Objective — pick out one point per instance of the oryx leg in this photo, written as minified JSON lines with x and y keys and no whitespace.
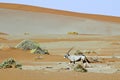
{"x":70,"y":62}
{"x":86,"y":64}
{"x":73,"y":62}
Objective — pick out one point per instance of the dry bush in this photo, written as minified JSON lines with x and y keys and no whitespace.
{"x":10,"y":63}
{"x":78,"y":52}
{"x":79,"y":68}
{"x":115,"y":43}
{"x":95,"y":60}
{"x":90,"y":51}
{"x":72,"y":33}
{"x":33,"y":46}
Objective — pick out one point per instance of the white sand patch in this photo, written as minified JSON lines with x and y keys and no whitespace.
{"x":63,"y":66}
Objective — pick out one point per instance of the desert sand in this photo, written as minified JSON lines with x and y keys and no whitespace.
{"x":21,"y":19}
{"x":97,"y":33}
{"x":54,"y":66}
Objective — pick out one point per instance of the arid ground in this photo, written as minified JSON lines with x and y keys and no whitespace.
{"x":98,"y":34}
{"x":54,"y":66}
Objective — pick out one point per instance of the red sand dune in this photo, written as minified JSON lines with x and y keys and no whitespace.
{"x":59,"y":12}
{"x":25,"y":57}
{"x":24,"y":18}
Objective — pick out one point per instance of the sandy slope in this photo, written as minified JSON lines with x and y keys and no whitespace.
{"x":17,"y":19}
{"x":20,"y":19}
{"x":59,"y":12}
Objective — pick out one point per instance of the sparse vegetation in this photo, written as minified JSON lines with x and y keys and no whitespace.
{"x":96,"y":59}
{"x":89,"y":52}
{"x":79,"y":68}
{"x":26,"y":33}
{"x":78,"y":52}
{"x":39,"y":50}
{"x":27,"y":45}
{"x":115,"y":43}
{"x":10,"y":63}
{"x":73,"y":33}
{"x":33,"y":46}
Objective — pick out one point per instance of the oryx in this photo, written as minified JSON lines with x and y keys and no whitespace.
{"x":76,"y":58}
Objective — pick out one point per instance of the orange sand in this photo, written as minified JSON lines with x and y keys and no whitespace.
{"x":67,"y":13}
{"x":56,"y":54}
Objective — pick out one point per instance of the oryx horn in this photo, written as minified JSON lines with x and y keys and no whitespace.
{"x":69,"y":50}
